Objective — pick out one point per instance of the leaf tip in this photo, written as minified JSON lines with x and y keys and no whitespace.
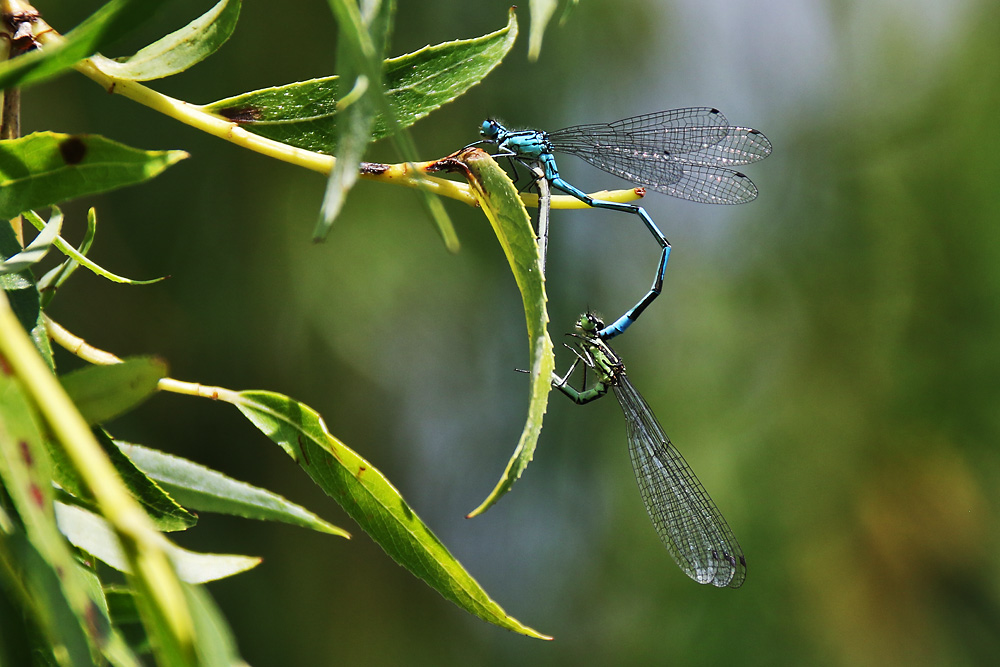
{"x":173,"y":157}
{"x":485,"y":505}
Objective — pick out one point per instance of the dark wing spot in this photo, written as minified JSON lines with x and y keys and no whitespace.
{"x":73,"y":150}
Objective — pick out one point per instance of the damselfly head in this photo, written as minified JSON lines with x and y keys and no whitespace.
{"x":589,"y":323}
{"x":490,"y":130}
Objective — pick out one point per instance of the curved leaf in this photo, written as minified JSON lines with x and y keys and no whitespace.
{"x":37,"y":249}
{"x":179,"y":50}
{"x":371,"y":500}
{"x":52,"y":280}
{"x":541,"y":13}
{"x":502,"y":205}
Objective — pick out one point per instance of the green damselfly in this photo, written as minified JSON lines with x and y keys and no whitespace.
{"x":687,"y":521}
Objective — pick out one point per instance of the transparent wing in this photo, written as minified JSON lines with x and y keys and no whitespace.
{"x":676,"y":131}
{"x":686,"y":180}
{"x":687,"y":521}
{"x":686,"y":153}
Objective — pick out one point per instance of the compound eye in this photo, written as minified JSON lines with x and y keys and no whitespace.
{"x":591,"y":322}
{"x":488,"y":129}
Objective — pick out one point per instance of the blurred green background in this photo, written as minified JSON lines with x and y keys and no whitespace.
{"x":827,"y":357}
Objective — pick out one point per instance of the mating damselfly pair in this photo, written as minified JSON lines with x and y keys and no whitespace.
{"x":690,"y":154}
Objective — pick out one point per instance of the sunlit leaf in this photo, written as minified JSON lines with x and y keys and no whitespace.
{"x":104,"y":392}
{"x":179,"y":50}
{"x":303,"y":114}
{"x":45,"y":168}
{"x":164,"y":509}
{"x":371,"y":500}
{"x":207,"y":490}
{"x":541,"y":14}
{"x":91,"y":533}
{"x":38,"y":248}
{"x":214,"y":642}
{"x":165,"y":513}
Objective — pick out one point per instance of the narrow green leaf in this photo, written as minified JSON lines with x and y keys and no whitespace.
{"x":116,"y":651}
{"x":164,"y":511}
{"x":162,"y":508}
{"x":109,"y":23}
{"x":38,"y":248}
{"x":424,"y":80}
{"x":22,"y":293}
{"x":27,"y":472}
{"x":121,"y":605}
{"x":352,"y":26}
{"x":179,"y":50}
{"x":207,"y":490}
{"x":50,"y":283}
{"x":52,"y":280}
{"x":502,"y":205}
{"x":303,"y":114}
{"x":41,"y":599}
{"x":104,"y":392}
{"x":91,"y":533}
{"x":568,"y":10}
{"x":353,"y":132}
{"x":214,"y":642}
{"x":164,"y":612}
{"x":541,"y":14}
{"x":371,"y":500}
{"x":45,"y":168}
